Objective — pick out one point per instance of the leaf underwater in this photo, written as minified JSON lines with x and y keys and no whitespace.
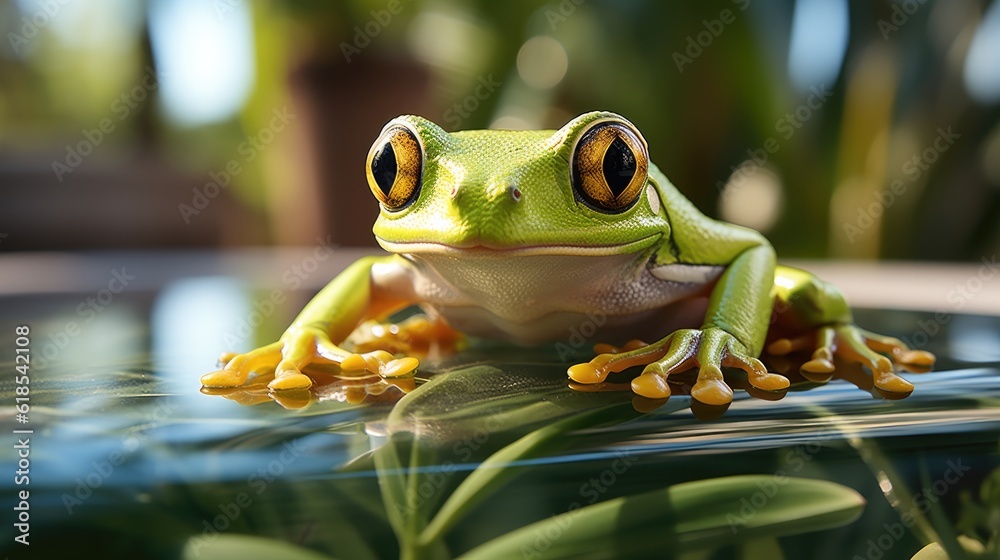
{"x":513,"y":399}
{"x":932,"y":551}
{"x":524,"y":409}
{"x":246,"y":547}
{"x":679,"y":519}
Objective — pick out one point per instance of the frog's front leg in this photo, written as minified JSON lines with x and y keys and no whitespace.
{"x":812,"y":315}
{"x":326,"y":321}
{"x":732,"y":335}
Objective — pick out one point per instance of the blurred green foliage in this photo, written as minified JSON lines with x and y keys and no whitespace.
{"x":839,"y":167}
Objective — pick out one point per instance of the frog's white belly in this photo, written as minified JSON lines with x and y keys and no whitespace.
{"x":536,"y":298}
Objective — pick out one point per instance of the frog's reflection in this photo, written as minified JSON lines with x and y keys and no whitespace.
{"x":329,"y":385}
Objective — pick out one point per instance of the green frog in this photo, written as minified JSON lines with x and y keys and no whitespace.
{"x":526,"y":235}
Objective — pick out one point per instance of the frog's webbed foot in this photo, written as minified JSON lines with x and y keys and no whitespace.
{"x":709,"y":350}
{"x":418,"y":335}
{"x":238,"y":367}
{"x":298,"y":348}
{"x":857,"y":346}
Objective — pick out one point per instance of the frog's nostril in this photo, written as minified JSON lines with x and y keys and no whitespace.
{"x":514,"y":192}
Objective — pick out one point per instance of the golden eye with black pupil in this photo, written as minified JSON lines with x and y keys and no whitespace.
{"x":610,"y":166}
{"x":394,"y":166}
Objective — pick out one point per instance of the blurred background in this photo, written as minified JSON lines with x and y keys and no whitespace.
{"x":840,"y":128}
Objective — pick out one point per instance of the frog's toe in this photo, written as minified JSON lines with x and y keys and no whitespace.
{"x":757,"y":374}
{"x":384,"y":364}
{"x":897,"y":350}
{"x":238,"y":367}
{"x":714,"y":392}
{"x":820,"y":364}
{"x":921,"y":358}
{"x":691,"y":348}
{"x":858,"y":346}
{"x":379,"y":362}
{"x":417,"y":335}
{"x":587,"y":373}
{"x":852,"y":345}
{"x":709,"y":350}
{"x":769,"y":382}
{"x":651,"y":386}
{"x":223,"y":379}
{"x":711,"y":388}
{"x":354,"y":362}
{"x":893,"y":383}
{"x":399,"y":367}
{"x":635,"y":353}
{"x":287,"y":377}
{"x":783,"y":346}
{"x":290,"y":382}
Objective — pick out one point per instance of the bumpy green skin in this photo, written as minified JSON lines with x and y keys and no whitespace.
{"x":507,"y":199}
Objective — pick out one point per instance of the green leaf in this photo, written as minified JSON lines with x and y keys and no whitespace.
{"x":496,"y":470}
{"x":245,"y":547}
{"x":392,"y":480}
{"x":762,"y":549}
{"x":932,"y":551}
{"x":464,"y":415}
{"x":682,"y":518}
{"x":508,"y":400}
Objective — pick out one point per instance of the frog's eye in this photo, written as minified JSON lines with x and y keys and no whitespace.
{"x":394,"y":165}
{"x":609,"y":166}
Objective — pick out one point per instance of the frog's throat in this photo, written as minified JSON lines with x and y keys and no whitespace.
{"x":484,"y":249}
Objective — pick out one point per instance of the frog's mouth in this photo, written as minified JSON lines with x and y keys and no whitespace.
{"x":486,"y":249}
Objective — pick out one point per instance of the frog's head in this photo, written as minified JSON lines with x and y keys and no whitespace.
{"x":582,"y":189}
